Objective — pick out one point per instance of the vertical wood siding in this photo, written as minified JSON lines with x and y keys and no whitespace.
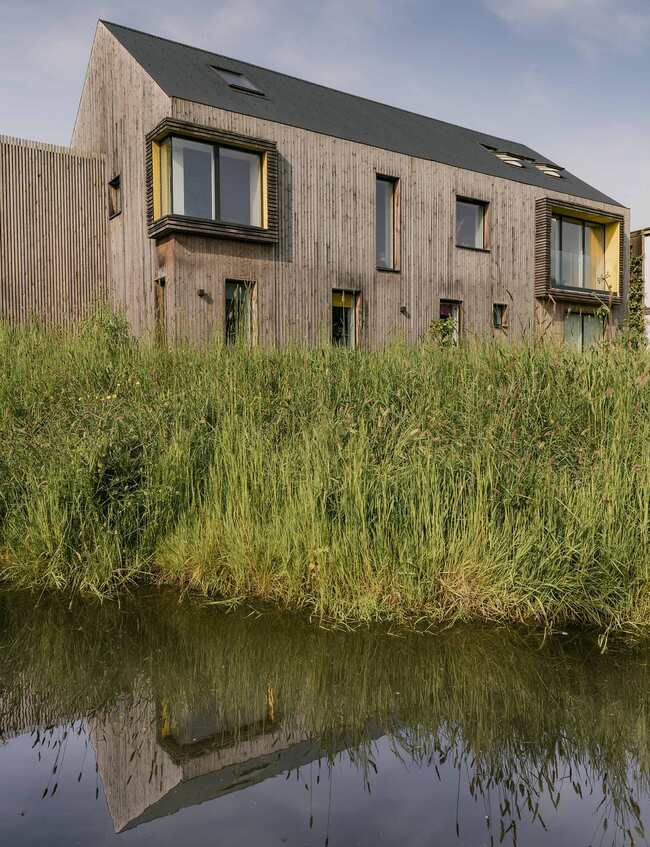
{"x":52,"y":232}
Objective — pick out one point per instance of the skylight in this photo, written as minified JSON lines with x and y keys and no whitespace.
{"x":237,"y":81}
{"x":510,"y":159}
{"x":549,"y":170}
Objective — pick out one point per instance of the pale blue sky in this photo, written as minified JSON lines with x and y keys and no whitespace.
{"x":568,"y":77}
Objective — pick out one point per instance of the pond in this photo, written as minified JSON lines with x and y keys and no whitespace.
{"x":160,"y":722}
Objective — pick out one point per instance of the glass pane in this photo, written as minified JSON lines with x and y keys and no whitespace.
{"x":193,"y":178}
{"x":240,"y":197}
{"x":572,"y":255}
{"x":555,"y":251}
{"x":469,"y":224}
{"x":343,"y":321}
{"x":573,"y":331}
{"x":592,"y":330}
{"x":450,"y":312}
{"x":238,"y":312}
{"x":595,"y":256}
{"x":385,"y":223}
{"x":238,"y":80}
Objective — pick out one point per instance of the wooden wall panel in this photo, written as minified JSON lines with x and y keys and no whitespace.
{"x":52,"y":232}
{"x":120,"y":104}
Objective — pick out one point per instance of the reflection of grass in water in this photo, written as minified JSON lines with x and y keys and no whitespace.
{"x":507,"y":483}
{"x":521,"y":719}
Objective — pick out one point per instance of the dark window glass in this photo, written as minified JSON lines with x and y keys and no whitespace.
{"x":240,"y":200}
{"x":500,"y":315}
{"x":385,"y":237}
{"x":583,"y":331}
{"x":470,"y":224}
{"x":238,"y":312}
{"x":577,"y":254}
{"x":343,"y":319}
{"x":193,"y":178}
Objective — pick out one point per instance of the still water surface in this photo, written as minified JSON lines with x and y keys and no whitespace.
{"x":159,"y":723}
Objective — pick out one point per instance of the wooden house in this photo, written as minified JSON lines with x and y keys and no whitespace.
{"x":245,"y":203}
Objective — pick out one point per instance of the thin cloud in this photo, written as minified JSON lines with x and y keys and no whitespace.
{"x":590,"y":25}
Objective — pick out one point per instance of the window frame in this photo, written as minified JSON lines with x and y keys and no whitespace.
{"x":114,"y":197}
{"x":581,"y":314}
{"x":457,"y":324}
{"x":503,"y":310}
{"x":395,"y":182}
{"x":485,"y":205}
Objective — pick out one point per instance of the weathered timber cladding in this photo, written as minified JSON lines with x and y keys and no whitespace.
{"x":52,"y":233}
{"x":327,"y":241}
{"x":119,"y":104}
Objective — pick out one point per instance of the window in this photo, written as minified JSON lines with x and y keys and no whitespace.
{"x":239,"y":311}
{"x":344,"y":318}
{"x":238,"y":81}
{"x":114,"y":197}
{"x":470,"y":224}
{"x":208,"y":181}
{"x":549,"y":170}
{"x":500,"y":316}
{"x":582,"y":331}
{"x":510,"y":159}
{"x":577,"y":254}
{"x":385,"y":223}
{"x":240,"y":200}
{"x":450,"y":316}
{"x":159,"y":311}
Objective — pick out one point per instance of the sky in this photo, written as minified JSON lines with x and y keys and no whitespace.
{"x":569,"y":78}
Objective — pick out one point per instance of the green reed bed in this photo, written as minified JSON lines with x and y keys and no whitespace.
{"x":427,"y":484}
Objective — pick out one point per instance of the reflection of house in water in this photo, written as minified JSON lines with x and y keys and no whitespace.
{"x":154,"y":761}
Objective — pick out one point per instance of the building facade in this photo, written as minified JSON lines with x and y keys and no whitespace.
{"x":243,"y":203}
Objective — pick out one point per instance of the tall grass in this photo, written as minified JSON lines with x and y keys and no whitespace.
{"x":508,"y":483}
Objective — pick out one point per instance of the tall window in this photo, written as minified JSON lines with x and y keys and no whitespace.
{"x":239,"y":311}
{"x":385,"y":223}
{"x":210,"y":181}
{"x":577,"y":254}
{"x":344,"y":319}
{"x":470,"y":224}
{"x":583,"y":331}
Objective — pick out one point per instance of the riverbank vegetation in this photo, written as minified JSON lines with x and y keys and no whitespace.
{"x":412,"y":485}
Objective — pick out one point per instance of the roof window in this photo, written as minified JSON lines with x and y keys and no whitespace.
{"x":237,"y":81}
{"x":549,"y":170}
{"x":510,"y":159}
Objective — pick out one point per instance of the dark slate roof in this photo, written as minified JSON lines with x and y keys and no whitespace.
{"x":187,"y":73}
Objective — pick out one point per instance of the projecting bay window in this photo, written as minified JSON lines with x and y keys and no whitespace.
{"x":212,"y":182}
{"x":386,"y":230}
{"x":578,"y":254}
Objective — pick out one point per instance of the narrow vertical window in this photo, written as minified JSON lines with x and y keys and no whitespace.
{"x":239,"y":312}
{"x":193,"y":178}
{"x":114,"y":197}
{"x":450,"y":318}
{"x":556,"y":254}
{"x":344,"y":319}
{"x":500,"y":316}
{"x":240,"y":194}
{"x":385,"y":223}
{"x":470,"y":224}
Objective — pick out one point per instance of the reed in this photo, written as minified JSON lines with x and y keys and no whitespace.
{"x":409,"y":485}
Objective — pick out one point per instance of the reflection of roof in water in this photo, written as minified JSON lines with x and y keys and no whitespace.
{"x":231,"y":778}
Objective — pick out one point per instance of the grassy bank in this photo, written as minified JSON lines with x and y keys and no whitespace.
{"x":491,"y":482}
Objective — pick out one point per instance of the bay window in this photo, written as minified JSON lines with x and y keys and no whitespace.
{"x":577,"y":254}
{"x":207,"y":181}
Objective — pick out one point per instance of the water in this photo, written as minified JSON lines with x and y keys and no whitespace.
{"x":159,"y":723}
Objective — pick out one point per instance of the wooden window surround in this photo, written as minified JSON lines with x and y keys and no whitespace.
{"x":160,"y":219}
{"x":545,"y":208}
{"x":395,"y":223}
{"x":114,"y":197}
